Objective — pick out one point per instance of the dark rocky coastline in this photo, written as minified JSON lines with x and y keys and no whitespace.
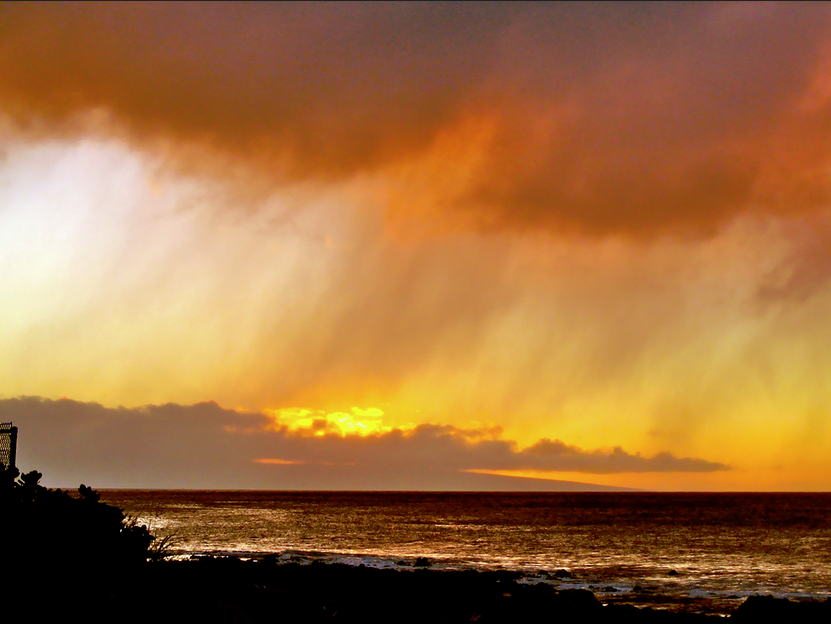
{"x":230,"y":590}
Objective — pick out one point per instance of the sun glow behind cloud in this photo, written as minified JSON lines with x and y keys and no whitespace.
{"x":360,"y":422}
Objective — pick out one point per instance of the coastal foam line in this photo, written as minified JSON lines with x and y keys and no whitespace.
{"x":648,"y":591}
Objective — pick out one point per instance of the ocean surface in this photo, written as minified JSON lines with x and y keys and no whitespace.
{"x":684,"y":552}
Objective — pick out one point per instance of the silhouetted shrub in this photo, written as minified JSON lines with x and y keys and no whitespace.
{"x":52,"y":529}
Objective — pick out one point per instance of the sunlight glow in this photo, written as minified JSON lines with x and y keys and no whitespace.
{"x":362,"y":422}
{"x":279,"y":462}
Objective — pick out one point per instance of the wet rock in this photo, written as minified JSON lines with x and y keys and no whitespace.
{"x":576,"y":601}
{"x":422,"y":562}
{"x":637,"y":588}
{"x":673,"y":573}
{"x":540,"y":591}
{"x":610,"y":589}
{"x":563,"y":574}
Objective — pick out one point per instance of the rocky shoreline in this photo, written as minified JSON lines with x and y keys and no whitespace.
{"x":230,"y":590}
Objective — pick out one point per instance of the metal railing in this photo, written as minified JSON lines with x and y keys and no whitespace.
{"x":8,"y":445}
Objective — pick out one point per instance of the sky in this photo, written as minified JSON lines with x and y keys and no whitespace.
{"x":417,"y":245}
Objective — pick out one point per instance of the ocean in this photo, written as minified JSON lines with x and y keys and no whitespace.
{"x":687,"y":552}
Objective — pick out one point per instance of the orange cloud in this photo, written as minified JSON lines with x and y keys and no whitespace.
{"x":630,"y":119}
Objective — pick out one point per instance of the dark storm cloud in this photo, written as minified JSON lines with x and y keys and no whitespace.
{"x":620,"y":117}
{"x":206,"y":446}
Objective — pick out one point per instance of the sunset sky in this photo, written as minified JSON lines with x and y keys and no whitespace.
{"x":402,"y":245}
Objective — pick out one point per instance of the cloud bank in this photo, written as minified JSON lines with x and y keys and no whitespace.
{"x":635,"y":119}
{"x":206,"y":446}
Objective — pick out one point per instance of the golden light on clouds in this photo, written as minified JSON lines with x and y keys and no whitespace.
{"x":360,"y":422}
{"x":279,"y":462}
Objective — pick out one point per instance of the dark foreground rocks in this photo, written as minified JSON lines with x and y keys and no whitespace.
{"x":229,"y":590}
{"x":782,"y":611}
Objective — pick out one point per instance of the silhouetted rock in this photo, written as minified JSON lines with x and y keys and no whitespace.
{"x":576,"y":600}
{"x":422,"y":562}
{"x":770,"y":609}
